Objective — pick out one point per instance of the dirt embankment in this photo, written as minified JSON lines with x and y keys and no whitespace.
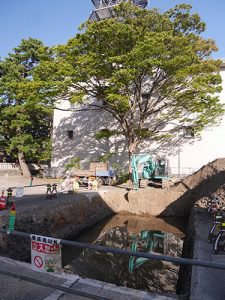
{"x":177,"y":200}
{"x":203,"y":184}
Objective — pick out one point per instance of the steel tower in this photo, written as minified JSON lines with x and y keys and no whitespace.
{"x":104,"y":8}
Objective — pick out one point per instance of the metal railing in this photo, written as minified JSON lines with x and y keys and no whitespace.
{"x":74,"y":291}
{"x":8,"y":166}
{"x":175,"y":260}
{"x":183,"y":171}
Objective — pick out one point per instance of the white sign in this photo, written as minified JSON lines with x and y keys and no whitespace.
{"x":45,"y":254}
{"x":19,"y":192}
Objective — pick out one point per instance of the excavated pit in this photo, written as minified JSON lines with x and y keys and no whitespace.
{"x":75,"y":213}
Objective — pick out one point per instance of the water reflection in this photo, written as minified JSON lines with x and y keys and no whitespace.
{"x":150,"y":241}
{"x":131,"y":233}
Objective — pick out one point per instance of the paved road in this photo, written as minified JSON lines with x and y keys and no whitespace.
{"x":16,"y":289}
{"x":21,"y":181}
{"x":34,"y":196}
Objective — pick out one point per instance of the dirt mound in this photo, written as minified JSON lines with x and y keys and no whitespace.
{"x":206,"y":182}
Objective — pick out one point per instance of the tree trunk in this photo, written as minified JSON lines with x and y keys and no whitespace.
{"x":131,"y":150}
{"x":23,"y":165}
{"x":130,"y":167}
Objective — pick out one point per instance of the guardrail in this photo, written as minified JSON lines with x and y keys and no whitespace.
{"x":183,"y":172}
{"x":8,"y":166}
{"x":175,"y":260}
{"x":31,"y":186}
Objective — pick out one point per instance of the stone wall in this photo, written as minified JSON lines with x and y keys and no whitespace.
{"x":60,"y":218}
{"x":12,"y":172}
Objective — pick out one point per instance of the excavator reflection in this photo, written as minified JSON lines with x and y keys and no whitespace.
{"x":152,"y":241}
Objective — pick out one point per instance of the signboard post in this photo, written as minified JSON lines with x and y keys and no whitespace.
{"x":45,"y":254}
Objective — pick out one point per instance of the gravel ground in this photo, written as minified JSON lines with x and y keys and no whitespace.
{"x":21,"y":181}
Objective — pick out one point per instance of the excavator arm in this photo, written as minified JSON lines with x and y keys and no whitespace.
{"x":142,"y":167}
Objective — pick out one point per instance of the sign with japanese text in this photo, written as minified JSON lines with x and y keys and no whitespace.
{"x":45,"y":254}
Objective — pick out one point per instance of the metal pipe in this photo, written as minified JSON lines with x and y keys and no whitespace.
{"x":28,"y":186}
{"x":175,"y":260}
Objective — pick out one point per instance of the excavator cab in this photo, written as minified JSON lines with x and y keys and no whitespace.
{"x":162,"y":169}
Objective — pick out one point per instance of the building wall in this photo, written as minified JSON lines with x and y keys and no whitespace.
{"x":85,"y":124}
{"x":211,"y":146}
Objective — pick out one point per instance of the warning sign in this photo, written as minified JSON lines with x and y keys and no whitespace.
{"x":45,"y":254}
{"x":38,"y":261}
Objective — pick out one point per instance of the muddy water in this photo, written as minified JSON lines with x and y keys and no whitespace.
{"x":163,"y":236}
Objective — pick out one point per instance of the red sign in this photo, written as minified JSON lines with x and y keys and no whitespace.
{"x":46,"y":248}
{"x":45,"y":254}
{"x":38,"y":261}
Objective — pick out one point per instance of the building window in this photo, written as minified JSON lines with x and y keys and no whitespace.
{"x":70,"y":134}
{"x":145,"y":97}
{"x":189,"y":132}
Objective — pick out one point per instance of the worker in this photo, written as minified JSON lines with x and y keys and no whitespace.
{"x":90,"y":183}
{"x":76,"y":185}
{"x":95,"y":184}
{"x":84,"y":181}
{"x":66,"y":184}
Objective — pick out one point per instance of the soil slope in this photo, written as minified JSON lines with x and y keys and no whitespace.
{"x":203,"y":184}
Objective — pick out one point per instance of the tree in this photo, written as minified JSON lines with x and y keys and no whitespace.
{"x":25,"y":124}
{"x":152,"y":71}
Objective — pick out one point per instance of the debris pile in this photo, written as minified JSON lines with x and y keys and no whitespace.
{"x":207,"y":182}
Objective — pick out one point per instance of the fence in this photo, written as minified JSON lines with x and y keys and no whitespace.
{"x":175,"y":260}
{"x":183,"y":172}
{"x":8,"y":166}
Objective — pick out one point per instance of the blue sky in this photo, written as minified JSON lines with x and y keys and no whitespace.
{"x":55,"y":21}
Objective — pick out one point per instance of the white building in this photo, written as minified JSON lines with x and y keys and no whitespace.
{"x":74,"y":136}
{"x":211,"y":145}
{"x":74,"y":132}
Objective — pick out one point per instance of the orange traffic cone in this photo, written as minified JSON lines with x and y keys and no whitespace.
{"x":2,"y":201}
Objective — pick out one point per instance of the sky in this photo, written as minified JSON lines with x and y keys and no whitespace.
{"x":55,"y":21}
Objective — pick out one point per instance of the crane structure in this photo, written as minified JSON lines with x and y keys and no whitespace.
{"x":104,"y":8}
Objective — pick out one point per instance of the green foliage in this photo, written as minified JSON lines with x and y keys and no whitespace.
{"x":121,"y":175}
{"x":25,"y":124}
{"x":105,"y":157}
{"x":153,"y":71}
{"x":74,"y":163}
{"x":105,"y":133}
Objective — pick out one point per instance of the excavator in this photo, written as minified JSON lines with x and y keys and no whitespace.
{"x":146,"y":168}
{"x":150,"y":241}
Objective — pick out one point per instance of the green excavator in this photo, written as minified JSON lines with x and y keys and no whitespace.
{"x":146,"y":168}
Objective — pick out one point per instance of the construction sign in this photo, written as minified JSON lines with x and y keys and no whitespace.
{"x":45,"y":254}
